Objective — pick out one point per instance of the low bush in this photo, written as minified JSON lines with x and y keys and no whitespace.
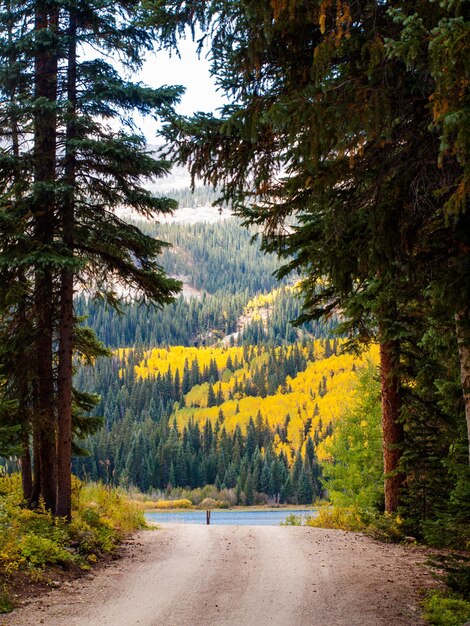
{"x":31,"y":541}
{"x":446,"y":610}
{"x":5,"y":603}
{"x":173,"y":504}
{"x":40,"y":551}
{"x":208,"y":503}
{"x":293,"y":520}
{"x":383,"y":526}
{"x":337,"y":517}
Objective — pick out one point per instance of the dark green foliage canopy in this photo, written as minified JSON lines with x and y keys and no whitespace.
{"x":345,"y":142}
{"x":70,"y":158}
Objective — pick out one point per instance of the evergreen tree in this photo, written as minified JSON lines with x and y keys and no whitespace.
{"x":296,"y":471}
{"x":310,"y":451}
{"x":287,"y":490}
{"x":76,"y":171}
{"x":265,"y":479}
{"x":230,"y":478}
{"x":249,"y":490}
{"x":211,"y":398}
{"x":305,"y":490}
{"x":363,"y":204}
{"x":251,"y":439}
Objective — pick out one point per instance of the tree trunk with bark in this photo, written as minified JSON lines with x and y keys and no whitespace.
{"x":392,"y":428}
{"x":26,"y":471}
{"x":22,"y":380}
{"x":462,"y":327}
{"x":64,"y":439}
{"x":45,"y":123}
{"x":36,"y":486}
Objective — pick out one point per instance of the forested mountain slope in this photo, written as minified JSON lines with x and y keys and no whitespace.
{"x":257,"y":419}
{"x":219,"y":260}
{"x":218,"y":388}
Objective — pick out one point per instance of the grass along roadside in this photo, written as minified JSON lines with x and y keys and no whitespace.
{"x":35,"y":547}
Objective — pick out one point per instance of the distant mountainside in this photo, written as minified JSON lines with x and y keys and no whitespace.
{"x":207,"y":390}
{"x":178,"y":178}
{"x":254,"y":421}
{"x":194,"y":205}
{"x":187,"y":213}
{"x":224,"y":271}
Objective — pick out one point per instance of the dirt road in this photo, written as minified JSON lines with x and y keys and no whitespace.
{"x":191,"y":575}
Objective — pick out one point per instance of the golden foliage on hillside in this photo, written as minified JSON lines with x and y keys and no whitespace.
{"x":300,"y":400}
{"x":159,"y":360}
{"x":307,"y":403}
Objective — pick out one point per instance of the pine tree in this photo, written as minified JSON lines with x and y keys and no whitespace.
{"x":171,"y":477}
{"x":305,"y":490}
{"x":370,"y":193}
{"x":265,"y":479}
{"x":230,"y":478}
{"x":251,"y":439}
{"x":310,"y":451}
{"x":287,"y":490}
{"x":296,"y":471}
{"x":76,"y":171}
{"x":249,"y":490}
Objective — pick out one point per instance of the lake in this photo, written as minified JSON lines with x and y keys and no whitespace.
{"x":232,"y":518}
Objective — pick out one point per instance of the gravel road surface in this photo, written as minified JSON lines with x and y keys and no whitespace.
{"x":191,"y":575}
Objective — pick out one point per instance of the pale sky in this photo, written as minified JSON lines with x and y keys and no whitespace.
{"x":189,"y":71}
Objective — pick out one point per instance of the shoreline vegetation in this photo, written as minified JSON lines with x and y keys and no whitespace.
{"x":240,"y":508}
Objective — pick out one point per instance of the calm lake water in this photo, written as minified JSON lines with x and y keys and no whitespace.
{"x":233,"y":518}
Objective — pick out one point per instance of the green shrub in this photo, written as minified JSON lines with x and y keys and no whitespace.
{"x":41,"y":551}
{"x":386,"y":527}
{"x":111,"y":506}
{"x":208,"y":503}
{"x":5,"y":603}
{"x":441,"y":610}
{"x":292,"y":520}
{"x":454,"y":572}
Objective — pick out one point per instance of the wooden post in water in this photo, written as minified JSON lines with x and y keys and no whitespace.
{"x":208,"y":517}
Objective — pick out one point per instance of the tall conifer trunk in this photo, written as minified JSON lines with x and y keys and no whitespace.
{"x":26,"y":471}
{"x":21,"y":381}
{"x":36,"y":475}
{"x":64,"y":439}
{"x":462,"y":326}
{"x":392,"y":428}
{"x":24,"y":399}
{"x":45,"y":128}
{"x":23,"y":391}
{"x":24,"y":414}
